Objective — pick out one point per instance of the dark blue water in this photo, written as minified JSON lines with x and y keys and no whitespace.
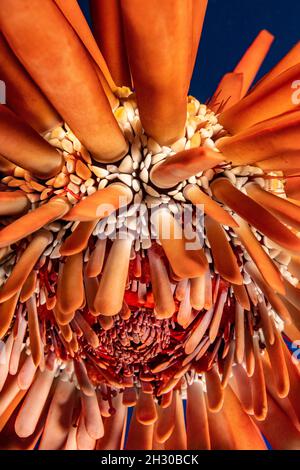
{"x":230,"y":27}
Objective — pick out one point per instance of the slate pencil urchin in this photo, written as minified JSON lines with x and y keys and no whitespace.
{"x":110,"y":296}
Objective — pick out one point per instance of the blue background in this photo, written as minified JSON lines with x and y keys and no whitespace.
{"x":230,"y":27}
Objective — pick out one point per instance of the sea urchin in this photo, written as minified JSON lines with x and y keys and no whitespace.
{"x":149,"y":243}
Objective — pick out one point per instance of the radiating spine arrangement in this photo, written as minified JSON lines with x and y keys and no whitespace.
{"x":149,"y":244}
